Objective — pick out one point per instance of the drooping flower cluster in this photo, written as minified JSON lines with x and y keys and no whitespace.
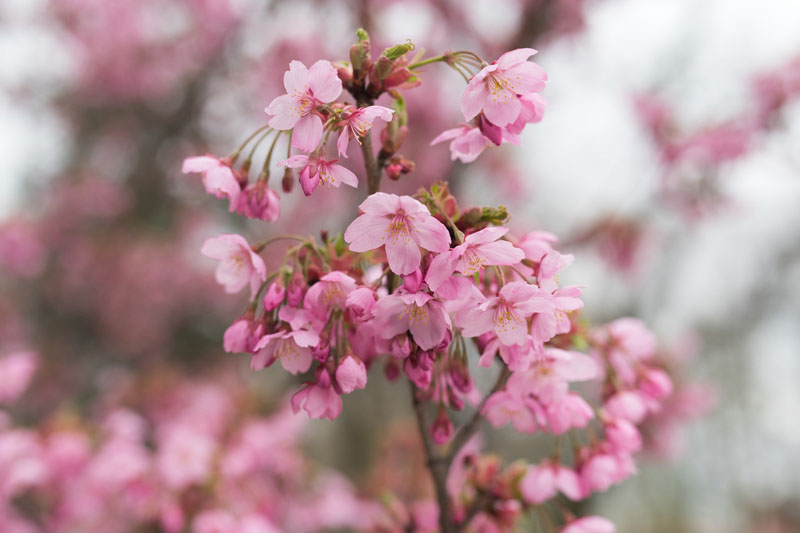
{"x":499,"y":101}
{"x":416,"y":284}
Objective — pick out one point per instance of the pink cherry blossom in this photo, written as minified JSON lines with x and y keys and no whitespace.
{"x":504,"y":407}
{"x":401,"y":224}
{"x":329,"y":292}
{"x":218,"y":177}
{"x":319,"y":401}
{"x":260,"y":202}
{"x":242,"y":336}
{"x":495,"y":88}
{"x":541,"y":482}
{"x":533,"y":106}
{"x":239,"y":264}
{"x":506,"y":313}
{"x":589,"y":524}
{"x":569,"y":412}
{"x":306,"y":88}
{"x":479,"y":249}
{"x":418,"y":313}
{"x":185,"y":456}
{"x":292,"y":348}
{"x":351,"y":374}
{"x":466,"y":142}
{"x":358,"y":122}
{"x":274,"y":295}
{"x":317,"y":170}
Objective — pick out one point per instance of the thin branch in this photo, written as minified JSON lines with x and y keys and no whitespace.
{"x":437,"y":465}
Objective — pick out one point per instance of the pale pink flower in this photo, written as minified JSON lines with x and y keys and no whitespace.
{"x":656,"y":383}
{"x":292,"y":348}
{"x":537,"y":244}
{"x":260,"y":202}
{"x":589,"y":524}
{"x":329,"y":292}
{"x":503,"y":407}
{"x":184,"y":457}
{"x":628,"y":405}
{"x":569,"y":412}
{"x":418,"y":313}
{"x":546,"y":325}
{"x":359,"y":303}
{"x":622,"y":435}
{"x":542,"y":482}
{"x":479,"y":249}
{"x":306,"y":88}
{"x":506,"y":313}
{"x":401,"y":224}
{"x":317,"y":170}
{"x":602,"y":470}
{"x":218,"y":177}
{"x":533,"y":106}
{"x":495,"y":88}
{"x":319,"y":400}
{"x":466,"y":142}
{"x":16,"y":371}
{"x":358,"y":122}
{"x":239,"y":264}
{"x":242,"y":336}
{"x":351,"y":374}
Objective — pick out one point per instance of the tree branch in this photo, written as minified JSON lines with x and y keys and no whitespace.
{"x":437,"y":465}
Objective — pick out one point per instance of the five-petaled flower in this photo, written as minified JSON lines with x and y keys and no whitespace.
{"x":306,"y":88}
{"x":402,"y":225}
{"x":239,"y":264}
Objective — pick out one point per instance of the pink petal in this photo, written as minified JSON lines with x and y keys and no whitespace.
{"x":366,"y":232}
{"x":403,"y":254}
{"x":381,"y":204}
{"x":343,"y":175}
{"x":475,"y":97}
{"x":431,"y":332}
{"x":199,"y":163}
{"x":430,"y":234}
{"x":294,"y":359}
{"x":296,"y":78}
{"x":324,"y":81}
{"x":343,"y":141}
{"x":446,"y":135}
{"x":514,"y":57}
{"x":490,"y":234}
{"x":307,"y":133}
{"x":504,"y":110}
{"x":283,"y":116}
{"x":442,"y":267}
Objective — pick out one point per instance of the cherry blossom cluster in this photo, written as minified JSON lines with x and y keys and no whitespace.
{"x":188,"y":464}
{"x":499,"y":100}
{"x":418,"y":285}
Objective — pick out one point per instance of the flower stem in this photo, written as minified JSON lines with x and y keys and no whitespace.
{"x":428,"y":61}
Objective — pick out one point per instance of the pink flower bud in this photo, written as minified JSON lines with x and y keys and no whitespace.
{"x":297,"y":290}
{"x":656,"y":384}
{"x":628,"y":405}
{"x":258,"y":201}
{"x":623,"y":435}
{"x":351,"y":374}
{"x":420,"y":376}
{"x":274,"y":295}
{"x":442,"y":428}
{"x":237,"y":336}
{"x":359,"y":303}
{"x":413,"y":281}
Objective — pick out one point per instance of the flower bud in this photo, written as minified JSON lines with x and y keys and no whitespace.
{"x":274,"y":295}
{"x":296,"y":290}
{"x":351,"y":374}
{"x":442,"y":428}
{"x":413,"y":281}
{"x":287,"y":183}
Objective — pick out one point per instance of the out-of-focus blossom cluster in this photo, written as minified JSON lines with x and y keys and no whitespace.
{"x":692,"y":159}
{"x":142,"y":50}
{"x":192,"y":459}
